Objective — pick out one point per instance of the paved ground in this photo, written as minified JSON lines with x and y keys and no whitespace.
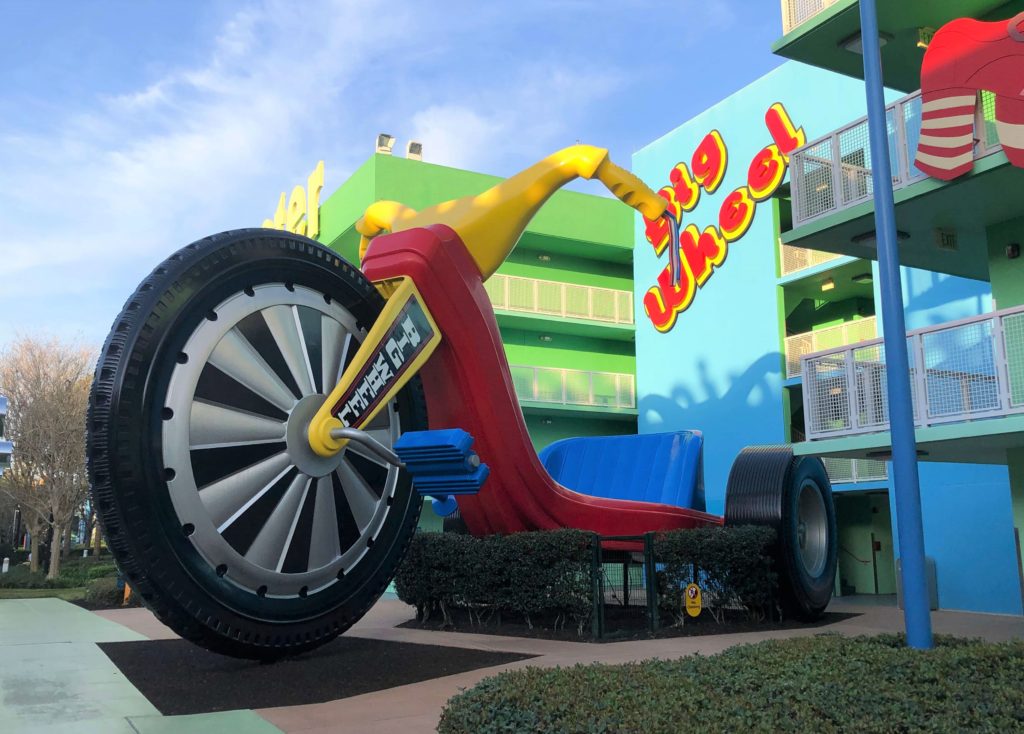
{"x":53,"y":677}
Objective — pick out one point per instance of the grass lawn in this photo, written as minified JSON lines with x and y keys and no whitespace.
{"x":75,"y":593}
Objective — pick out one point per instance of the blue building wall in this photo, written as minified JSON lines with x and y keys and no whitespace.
{"x":966,"y":508}
{"x":720,"y":368}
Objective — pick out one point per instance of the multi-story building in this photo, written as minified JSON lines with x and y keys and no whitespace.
{"x":563,"y":300}
{"x":750,"y":358}
{"x":6,"y":447}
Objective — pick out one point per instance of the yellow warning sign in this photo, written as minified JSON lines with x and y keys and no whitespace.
{"x":693,"y":602}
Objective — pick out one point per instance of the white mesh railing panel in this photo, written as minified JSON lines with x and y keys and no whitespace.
{"x":840,"y":471}
{"x":987,"y":115}
{"x":624,"y":307}
{"x":522,"y":295}
{"x":855,"y":167}
{"x":912,"y":132}
{"x":524,"y":381}
{"x":795,"y":259}
{"x":827,"y":403}
{"x":605,"y":389}
{"x":872,"y":404}
{"x":627,"y":391}
{"x":602,"y":304}
{"x":795,"y":12}
{"x":848,"y":471}
{"x":577,"y":387}
{"x":813,"y":171}
{"x":549,"y":297}
{"x":1013,"y":340}
{"x":867,"y":470}
{"x":576,"y":301}
{"x":960,"y":370}
{"x":828,"y":338}
{"x":549,"y":385}
{"x":496,"y":287}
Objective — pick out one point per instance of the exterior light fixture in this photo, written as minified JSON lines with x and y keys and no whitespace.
{"x":545,"y":337}
{"x":544,"y":258}
{"x":1013,"y":251}
{"x":855,"y":44}
{"x":827,"y":285}
{"x":869,"y":237}
{"x":385,"y":143}
{"x":924,"y":37}
{"x":414,"y":150}
{"x":862,"y":278}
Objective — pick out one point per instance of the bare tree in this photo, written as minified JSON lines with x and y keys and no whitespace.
{"x":47,"y":382}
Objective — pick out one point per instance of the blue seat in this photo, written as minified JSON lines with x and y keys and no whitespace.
{"x":654,"y":467}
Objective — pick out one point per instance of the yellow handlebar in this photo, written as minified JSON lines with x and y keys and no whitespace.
{"x":490,"y":224}
{"x":629,"y":189}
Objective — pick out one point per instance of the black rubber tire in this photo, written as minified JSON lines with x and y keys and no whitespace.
{"x":125,"y":456}
{"x":764,"y":489}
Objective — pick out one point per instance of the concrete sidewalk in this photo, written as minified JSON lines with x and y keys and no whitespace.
{"x":72,"y":687}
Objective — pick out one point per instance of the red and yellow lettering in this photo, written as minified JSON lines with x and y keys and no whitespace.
{"x":785,"y":134}
{"x":710,"y":161}
{"x":664,"y":302}
{"x":702,"y":251}
{"x":656,"y":230}
{"x":686,"y":189}
{"x":767,"y":172}
{"x":736,"y":214}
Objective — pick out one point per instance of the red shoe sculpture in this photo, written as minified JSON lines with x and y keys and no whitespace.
{"x":967,"y":56}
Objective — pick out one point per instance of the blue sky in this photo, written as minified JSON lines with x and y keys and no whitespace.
{"x":129,"y":128}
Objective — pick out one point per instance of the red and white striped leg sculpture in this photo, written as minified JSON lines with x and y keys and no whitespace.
{"x":964,"y":57}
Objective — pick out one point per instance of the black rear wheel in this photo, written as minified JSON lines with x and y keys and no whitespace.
{"x":769,"y":486}
{"x":230,"y":527}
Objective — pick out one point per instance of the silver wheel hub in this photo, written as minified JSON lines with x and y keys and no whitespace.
{"x":812,"y":529}
{"x":260,"y":507}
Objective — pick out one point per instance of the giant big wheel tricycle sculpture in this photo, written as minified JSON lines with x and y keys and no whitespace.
{"x":262,"y":409}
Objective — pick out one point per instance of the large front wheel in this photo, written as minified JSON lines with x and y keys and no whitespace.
{"x":235,"y":533}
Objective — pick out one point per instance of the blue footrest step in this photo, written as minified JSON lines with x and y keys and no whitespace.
{"x":441,"y":462}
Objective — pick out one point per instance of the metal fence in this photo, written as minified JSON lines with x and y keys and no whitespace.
{"x":833,"y":173}
{"x":552,"y":298}
{"x":795,"y":12}
{"x":574,"y":387}
{"x":962,"y":370}
{"x":831,"y":337}
{"x":849,"y":471}
{"x":794,"y":259}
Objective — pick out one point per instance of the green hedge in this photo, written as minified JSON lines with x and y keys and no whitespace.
{"x":732,"y":566}
{"x":530,"y":575}
{"x":822,"y":684}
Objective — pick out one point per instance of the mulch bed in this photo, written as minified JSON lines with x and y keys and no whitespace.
{"x":180,"y":678}
{"x":620,"y":625}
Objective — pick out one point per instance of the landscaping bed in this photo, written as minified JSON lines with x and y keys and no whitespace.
{"x":825,"y":683}
{"x":626,"y":627}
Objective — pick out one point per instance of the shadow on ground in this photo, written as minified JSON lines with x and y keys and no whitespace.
{"x":179,"y":678}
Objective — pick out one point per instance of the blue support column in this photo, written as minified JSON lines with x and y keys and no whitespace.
{"x":901,"y":410}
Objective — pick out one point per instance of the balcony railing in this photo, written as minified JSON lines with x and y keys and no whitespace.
{"x":833,"y":173}
{"x":574,"y":387}
{"x":795,"y":12}
{"x":799,"y":345}
{"x":794,"y":259}
{"x":960,"y":371}
{"x":551,"y":298}
{"x":849,"y":471}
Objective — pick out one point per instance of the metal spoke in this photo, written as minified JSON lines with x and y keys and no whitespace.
{"x":335,"y":343}
{"x":226,"y":498}
{"x":236,"y":357}
{"x":271,"y":543}
{"x":362,"y":500}
{"x":324,"y":545}
{"x":283,"y":324}
{"x":216,"y":425}
{"x":306,"y":481}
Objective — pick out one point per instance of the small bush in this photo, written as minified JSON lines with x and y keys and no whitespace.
{"x":823,"y":684}
{"x":731,"y":565}
{"x":531,"y":575}
{"x":104,"y":593}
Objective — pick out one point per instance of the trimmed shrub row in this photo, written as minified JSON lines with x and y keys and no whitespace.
{"x":823,"y":684}
{"x":732,"y":566}
{"x":532,"y":575}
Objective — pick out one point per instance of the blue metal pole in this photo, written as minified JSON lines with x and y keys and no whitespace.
{"x":901,"y":411}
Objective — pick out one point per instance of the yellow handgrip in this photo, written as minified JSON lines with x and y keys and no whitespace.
{"x":629,"y":189}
